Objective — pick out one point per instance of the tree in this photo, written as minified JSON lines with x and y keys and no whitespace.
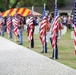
{"x":32,"y":2}
{"x":1,"y":5}
{"x":6,"y":4}
{"x":51,"y":3}
{"x":61,"y":3}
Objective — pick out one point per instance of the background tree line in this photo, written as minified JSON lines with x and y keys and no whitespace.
{"x":7,"y":4}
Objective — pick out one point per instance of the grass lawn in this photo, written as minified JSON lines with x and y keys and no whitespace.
{"x":65,"y":46}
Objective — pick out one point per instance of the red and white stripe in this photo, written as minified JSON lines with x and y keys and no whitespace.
{"x":42,"y":30}
{"x":0,"y":28}
{"x":74,"y":19}
{"x":75,"y":38}
{"x":54,"y":31}
{"x":30,"y":29}
{"x":8,"y":23}
{"x":16,"y":26}
{"x":1,"y":22}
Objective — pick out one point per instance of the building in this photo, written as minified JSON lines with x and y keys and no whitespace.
{"x":68,"y":8}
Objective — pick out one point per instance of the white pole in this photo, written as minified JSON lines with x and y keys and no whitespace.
{"x":55,"y":1}
{"x":44,"y":6}
{"x":32,"y":9}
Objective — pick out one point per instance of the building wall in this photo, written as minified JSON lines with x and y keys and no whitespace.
{"x":37,"y":9}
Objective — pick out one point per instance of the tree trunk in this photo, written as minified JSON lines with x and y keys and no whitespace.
{"x":6,"y":3}
{"x":50,"y":5}
{"x":16,"y":2}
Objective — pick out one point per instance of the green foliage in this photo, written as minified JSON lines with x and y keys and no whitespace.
{"x":61,"y":3}
{"x":39,"y":2}
{"x":6,"y":4}
{"x":25,"y":3}
{"x":1,"y":9}
{"x":31,"y":2}
{"x":11,"y":3}
{"x":1,"y":5}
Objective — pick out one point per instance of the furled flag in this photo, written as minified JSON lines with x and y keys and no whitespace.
{"x":54,"y":31}
{"x":30,"y":28}
{"x":8,"y":23}
{"x":55,"y":26}
{"x":43,"y":27}
{"x":75,"y":25}
{"x":16,"y":22}
{"x":1,"y":24}
{"x":56,"y":9}
{"x":1,"y":20}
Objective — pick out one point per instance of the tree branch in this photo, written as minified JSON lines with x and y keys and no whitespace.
{"x":16,"y":2}
{"x":6,"y":4}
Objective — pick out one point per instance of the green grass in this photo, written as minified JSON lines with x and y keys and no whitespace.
{"x":65,"y":46}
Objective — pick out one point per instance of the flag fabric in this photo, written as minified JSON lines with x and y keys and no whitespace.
{"x":8,"y":23}
{"x":43,"y":27}
{"x":55,"y":10}
{"x":75,"y":25}
{"x":1,"y":22}
{"x":55,"y":26}
{"x":30,"y":28}
{"x":42,"y":33}
{"x":16,"y":22}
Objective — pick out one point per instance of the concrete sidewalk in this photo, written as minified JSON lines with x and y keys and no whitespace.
{"x":18,"y":60}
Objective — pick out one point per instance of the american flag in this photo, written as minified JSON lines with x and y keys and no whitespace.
{"x":54,"y":31}
{"x":55,"y":26}
{"x":8,"y":23}
{"x":43,"y":27}
{"x":75,"y":25}
{"x":16,"y":22}
{"x":30,"y":28}
{"x":56,"y":9}
{"x":1,"y":22}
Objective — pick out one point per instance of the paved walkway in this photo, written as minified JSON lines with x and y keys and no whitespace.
{"x":17,"y":60}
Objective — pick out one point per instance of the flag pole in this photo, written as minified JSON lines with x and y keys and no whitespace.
{"x":55,"y":35}
{"x":45,"y":28}
{"x":75,"y":26}
{"x":44,"y":6}
{"x":14,"y":18}
{"x":32,"y":30}
{"x":7,"y":16}
{"x":32,"y":9}
{"x":55,"y":1}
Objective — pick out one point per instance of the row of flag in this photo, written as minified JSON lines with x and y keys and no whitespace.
{"x":56,"y":25}
{"x":43,"y":26}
